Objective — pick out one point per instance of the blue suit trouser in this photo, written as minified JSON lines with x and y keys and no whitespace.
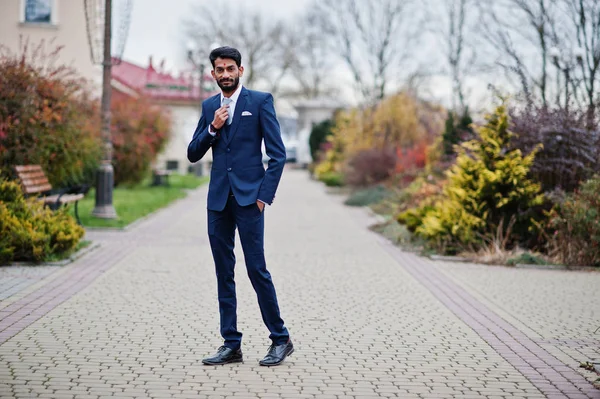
{"x":249,"y":221}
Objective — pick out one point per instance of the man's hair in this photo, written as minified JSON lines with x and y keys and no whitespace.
{"x":226,"y":52}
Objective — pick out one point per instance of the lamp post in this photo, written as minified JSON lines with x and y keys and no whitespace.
{"x":196,"y":57}
{"x":565,"y":62}
{"x":105,"y":174}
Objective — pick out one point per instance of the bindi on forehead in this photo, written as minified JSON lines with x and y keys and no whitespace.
{"x":221,"y":66}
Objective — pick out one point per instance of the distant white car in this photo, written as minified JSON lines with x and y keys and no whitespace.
{"x":291,"y":150}
{"x":303,"y":157}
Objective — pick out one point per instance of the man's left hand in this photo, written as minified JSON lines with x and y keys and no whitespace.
{"x":261,"y":205}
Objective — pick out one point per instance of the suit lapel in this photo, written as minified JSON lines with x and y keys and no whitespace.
{"x":215,"y":106}
{"x":239,"y":107}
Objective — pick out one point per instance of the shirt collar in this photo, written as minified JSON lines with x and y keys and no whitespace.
{"x":235,"y":95}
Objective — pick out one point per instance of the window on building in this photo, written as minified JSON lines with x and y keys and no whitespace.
{"x":172,"y":165}
{"x":39,"y":11}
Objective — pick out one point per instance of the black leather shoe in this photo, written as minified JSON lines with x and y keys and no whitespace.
{"x":277,"y":354}
{"x":224,"y":355}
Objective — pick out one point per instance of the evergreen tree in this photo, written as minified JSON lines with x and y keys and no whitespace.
{"x":450,"y":137}
{"x":319,"y":135}
{"x":455,"y":133}
{"x":486,"y":188}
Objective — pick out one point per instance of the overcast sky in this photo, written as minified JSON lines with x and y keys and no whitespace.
{"x":156,"y":25}
{"x":156,"y":30}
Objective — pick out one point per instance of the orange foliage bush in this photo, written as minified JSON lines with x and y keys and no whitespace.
{"x":369,"y":167}
{"x":390,"y":137}
{"x":139,"y":132}
{"x":410,"y":158}
{"x":46,"y":118}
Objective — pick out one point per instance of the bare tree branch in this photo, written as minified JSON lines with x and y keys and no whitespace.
{"x":258,"y":39}
{"x":585,"y":36}
{"x":311,"y":63}
{"x":517,"y":28}
{"x":453,"y":28}
{"x":372,"y":37}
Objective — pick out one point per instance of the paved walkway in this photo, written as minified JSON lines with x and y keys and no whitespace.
{"x":134,"y":317}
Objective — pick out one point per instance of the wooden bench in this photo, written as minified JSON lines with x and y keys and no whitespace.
{"x":35,"y":183}
{"x":160,"y":177}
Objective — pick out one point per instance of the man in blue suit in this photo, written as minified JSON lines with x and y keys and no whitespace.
{"x":234,"y":124}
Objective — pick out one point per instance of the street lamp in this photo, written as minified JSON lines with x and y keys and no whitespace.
{"x":105,"y":174}
{"x":197,"y":56}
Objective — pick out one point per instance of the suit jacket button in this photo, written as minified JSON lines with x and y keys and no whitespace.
{"x":229,"y":169}
{"x":229,"y":150}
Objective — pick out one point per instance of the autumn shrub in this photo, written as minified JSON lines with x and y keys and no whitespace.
{"x":371,"y":166}
{"x":31,"y":232}
{"x":418,"y":198}
{"x":487,"y":188}
{"x":412,"y":162}
{"x":435,"y":159}
{"x":398,"y":121}
{"x":364,"y":142}
{"x":139,"y":132}
{"x":332,"y":159}
{"x":574,"y":226}
{"x":46,"y":118}
{"x":411,"y":158}
{"x":570,"y":152}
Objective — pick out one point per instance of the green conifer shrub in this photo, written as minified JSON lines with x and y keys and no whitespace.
{"x":486,"y":188}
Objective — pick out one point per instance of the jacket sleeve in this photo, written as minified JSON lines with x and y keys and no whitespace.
{"x":275,"y":150}
{"x":201,"y":141}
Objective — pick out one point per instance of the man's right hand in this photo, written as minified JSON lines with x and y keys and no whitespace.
{"x":221,"y":117}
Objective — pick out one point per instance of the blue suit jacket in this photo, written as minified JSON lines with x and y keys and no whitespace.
{"x":237,"y":155}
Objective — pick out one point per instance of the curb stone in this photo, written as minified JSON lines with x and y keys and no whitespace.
{"x":445,"y":258}
{"x":72,"y":258}
{"x":558,"y":267}
{"x":380,"y":219}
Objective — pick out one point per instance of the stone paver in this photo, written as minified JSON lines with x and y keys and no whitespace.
{"x":559,"y":310}
{"x":145,"y":312}
{"x":15,"y":279}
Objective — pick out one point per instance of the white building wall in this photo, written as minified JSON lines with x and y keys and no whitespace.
{"x":67,"y":28}
{"x":184,"y":118}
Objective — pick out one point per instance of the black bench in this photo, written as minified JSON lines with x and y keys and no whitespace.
{"x":160,"y":177}
{"x":35,"y":182}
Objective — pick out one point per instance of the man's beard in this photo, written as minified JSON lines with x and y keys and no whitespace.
{"x":229,"y":89}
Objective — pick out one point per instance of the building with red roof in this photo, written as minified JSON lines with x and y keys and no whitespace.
{"x":158,"y":84}
{"x":180,"y":94}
